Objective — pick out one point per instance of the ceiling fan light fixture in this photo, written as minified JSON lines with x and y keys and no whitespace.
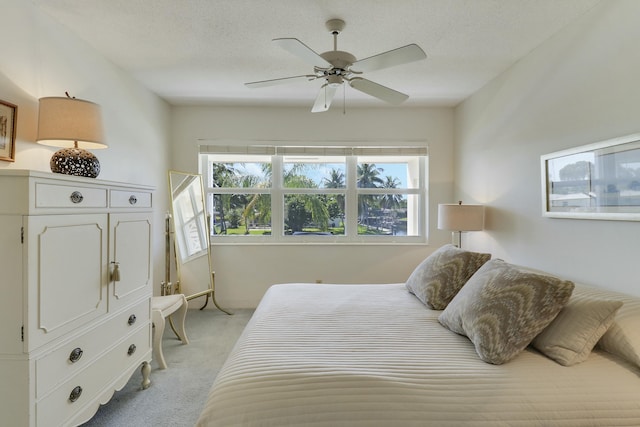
{"x":334,"y":80}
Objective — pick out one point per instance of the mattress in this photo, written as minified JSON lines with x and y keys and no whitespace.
{"x":374,"y":355}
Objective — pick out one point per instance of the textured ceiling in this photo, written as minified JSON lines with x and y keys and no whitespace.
{"x":202,"y":51}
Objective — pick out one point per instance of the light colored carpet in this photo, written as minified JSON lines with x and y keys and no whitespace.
{"x":177,"y":394}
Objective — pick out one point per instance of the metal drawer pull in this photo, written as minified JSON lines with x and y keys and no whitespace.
{"x":75,"y":355}
{"x":132,"y":349}
{"x":76,"y":197}
{"x":133,"y":200}
{"x":132,"y":319}
{"x":75,"y":393}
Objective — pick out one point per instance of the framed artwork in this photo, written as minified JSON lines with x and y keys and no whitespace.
{"x":8,"y":114}
{"x":595,"y":181}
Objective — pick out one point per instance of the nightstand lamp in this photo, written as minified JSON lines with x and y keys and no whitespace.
{"x":75,"y":125}
{"x":459,"y":218}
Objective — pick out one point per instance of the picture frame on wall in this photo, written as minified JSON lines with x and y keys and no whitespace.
{"x":595,"y":181}
{"x":8,"y":115}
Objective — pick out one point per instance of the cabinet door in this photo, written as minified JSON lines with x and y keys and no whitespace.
{"x":66,"y":274}
{"x":130,"y":250}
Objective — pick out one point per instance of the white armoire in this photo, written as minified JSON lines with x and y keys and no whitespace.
{"x":76,"y":285}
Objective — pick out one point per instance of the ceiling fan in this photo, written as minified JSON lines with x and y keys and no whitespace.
{"x":335,"y":67}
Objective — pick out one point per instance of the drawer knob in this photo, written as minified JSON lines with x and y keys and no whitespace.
{"x":133,"y":200}
{"x":132,"y":349}
{"x":75,"y":393}
{"x":132,"y":319}
{"x":75,"y":355}
{"x":76,"y":197}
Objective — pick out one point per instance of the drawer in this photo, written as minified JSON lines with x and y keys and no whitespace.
{"x":66,"y":196}
{"x":57,"y":407}
{"x":130,"y":199}
{"x":58,"y":365}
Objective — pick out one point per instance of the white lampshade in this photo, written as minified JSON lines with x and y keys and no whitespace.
{"x":63,"y":122}
{"x":459,"y":217}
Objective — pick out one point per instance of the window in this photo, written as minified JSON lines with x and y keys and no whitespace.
{"x":316,"y":194}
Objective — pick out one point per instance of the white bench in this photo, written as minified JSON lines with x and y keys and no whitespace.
{"x":161,"y":308}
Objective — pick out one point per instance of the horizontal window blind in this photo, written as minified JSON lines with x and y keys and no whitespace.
{"x":268,"y":150}
{"x":297,"y":150}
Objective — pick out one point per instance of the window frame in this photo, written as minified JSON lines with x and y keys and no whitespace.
{"x":351,"y":191}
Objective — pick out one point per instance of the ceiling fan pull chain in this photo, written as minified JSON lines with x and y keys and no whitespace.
{"x":344,"y":99}
{"x":325,"y":96}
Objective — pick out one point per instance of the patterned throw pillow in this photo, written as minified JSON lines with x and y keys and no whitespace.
{"x":502,"y":308}
{"x":572,"y":335}
{"x":441,"y":275}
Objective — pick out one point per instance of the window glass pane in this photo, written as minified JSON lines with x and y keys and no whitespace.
{"x":321,"y":214}
{"x":314,"y":172}
{"x":388,"y":172}
{"x":241,"y":175}
{"x":388,"y":214}
{"x":241,"y":214}
{"x":385,"y":192}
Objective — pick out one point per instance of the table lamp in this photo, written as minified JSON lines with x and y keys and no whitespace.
{"x":73,"y":124}
{"x":459,"y":218}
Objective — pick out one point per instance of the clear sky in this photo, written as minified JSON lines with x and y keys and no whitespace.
{"x":396,"y":170}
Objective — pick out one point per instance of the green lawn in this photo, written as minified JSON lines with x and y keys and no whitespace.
{"x":339,"y":231}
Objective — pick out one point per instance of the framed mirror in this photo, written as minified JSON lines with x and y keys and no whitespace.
{"x":188,"y":225}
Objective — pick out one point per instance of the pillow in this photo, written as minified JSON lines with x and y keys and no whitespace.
{"x":441,"y":275}
{"x":622,"y":339}
{"x":502,"y":308}
{"x":572,"y":335}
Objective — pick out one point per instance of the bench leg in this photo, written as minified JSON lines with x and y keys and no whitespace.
{"x":180,"y":317}
{"x":158,"y":325}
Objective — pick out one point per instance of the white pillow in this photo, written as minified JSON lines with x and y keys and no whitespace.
{"x":571,"y":336}
{"x":623,"y":337}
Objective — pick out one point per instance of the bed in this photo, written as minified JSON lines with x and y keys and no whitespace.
{"x":375,"y":355}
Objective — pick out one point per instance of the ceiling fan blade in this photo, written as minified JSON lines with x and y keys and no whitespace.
{"x":378,"y":91}
{"x":283,"y":80}
{"x":302,"y":51}
{"x":391,"y":58}
{"x":324,"y":98}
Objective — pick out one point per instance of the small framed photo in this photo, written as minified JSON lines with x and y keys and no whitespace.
{"x":8,"y":115}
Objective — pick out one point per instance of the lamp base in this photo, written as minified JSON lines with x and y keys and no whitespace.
{"x":456,"y":239}
{"x":75,"y":161}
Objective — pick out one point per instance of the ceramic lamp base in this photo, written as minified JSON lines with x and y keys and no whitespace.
{"x":75,"y":161}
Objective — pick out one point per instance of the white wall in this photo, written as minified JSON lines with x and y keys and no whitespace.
{"x":244,"y":272}
{"x":579,"y":87}
{"x":41,"y":58}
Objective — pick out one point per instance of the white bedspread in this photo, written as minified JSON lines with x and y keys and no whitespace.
{"x":373,"y":355}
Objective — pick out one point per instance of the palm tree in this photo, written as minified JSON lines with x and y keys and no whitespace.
{"x":390,"y":201}
{"x":314,"y":205}
{"x":368,"y":177}
{"x":249,"y":181}
{"x":336,"y":180}
{"x":257,"y":205}
{"x":224,"y":175}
